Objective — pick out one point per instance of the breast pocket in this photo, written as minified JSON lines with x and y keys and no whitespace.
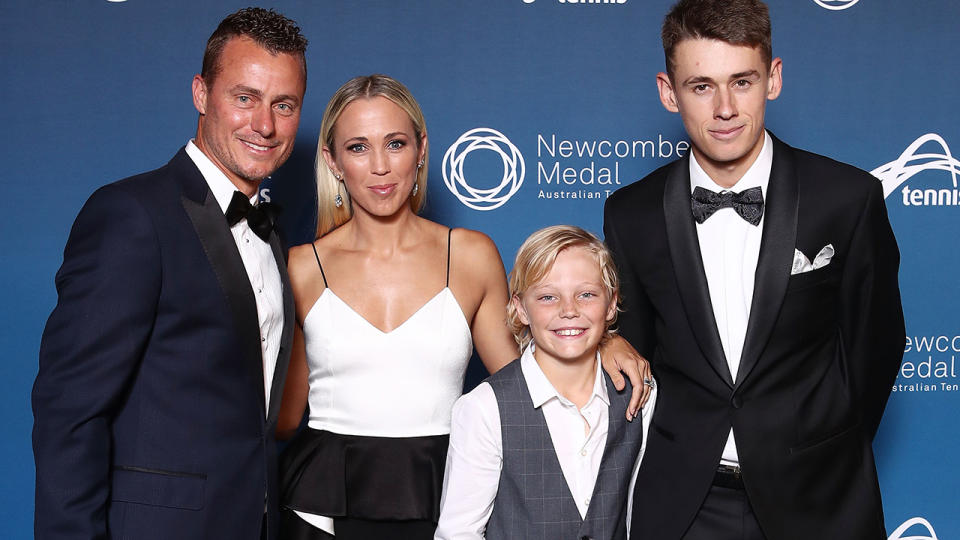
{"x":156,"y":487}
{"x":828,"y":275}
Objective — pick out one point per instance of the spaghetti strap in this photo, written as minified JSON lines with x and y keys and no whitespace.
{"x":315,"y":254}
{"x":449,"y":232}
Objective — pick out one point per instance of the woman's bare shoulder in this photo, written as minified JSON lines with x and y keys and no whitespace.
{"x":475,"y":253}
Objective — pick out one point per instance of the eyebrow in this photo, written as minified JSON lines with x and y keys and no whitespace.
{"x":733,"y":77}
{"x":258,"y":93}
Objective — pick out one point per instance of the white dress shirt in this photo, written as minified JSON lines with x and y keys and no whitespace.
{"x":730,"y":247}
{"x":258,"y":261}
{"x":475,"y":456}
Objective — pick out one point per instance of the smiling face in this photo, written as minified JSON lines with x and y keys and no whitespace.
{"x":376,"y":151}
{"x":250,"y":112}
{"x":567,"y":311}
{"x":721,"y":92}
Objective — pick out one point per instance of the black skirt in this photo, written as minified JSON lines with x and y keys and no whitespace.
{"x":374,"y":478}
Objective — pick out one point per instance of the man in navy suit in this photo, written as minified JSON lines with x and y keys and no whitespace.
{"x":761,"y":282}
{"x":162,"y":365}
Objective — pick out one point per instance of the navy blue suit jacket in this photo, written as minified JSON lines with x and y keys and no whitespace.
{"x":149,"y":413}
{"x":821,"y":352}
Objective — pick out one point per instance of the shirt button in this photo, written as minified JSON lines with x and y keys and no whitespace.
{"x":583,"y":452}
{"x":259,"y":290}
{"x":586,"y":502}
{"x":263,"y":339}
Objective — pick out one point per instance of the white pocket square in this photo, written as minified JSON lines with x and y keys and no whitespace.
{"x":802,"y":264}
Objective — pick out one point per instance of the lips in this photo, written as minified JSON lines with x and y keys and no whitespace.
{"x":258,"y":147}
{"x":727,"y":133}
{"x":569,"y":332}
{"x":383,"y":189}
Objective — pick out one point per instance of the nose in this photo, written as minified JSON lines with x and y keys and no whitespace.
{"x":725,"y":107}
{"x":379,"y":162}
{"x":263,"y":121}
{"x":569,"y":308}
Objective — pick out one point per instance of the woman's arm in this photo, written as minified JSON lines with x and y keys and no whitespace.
{"x":300,"y":265}
{"x":617,"y":355}
{"x":295,"y":390}
{"x":480,"y":263}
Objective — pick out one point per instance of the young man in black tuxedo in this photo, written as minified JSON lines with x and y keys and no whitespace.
{"x":761,"y":283}
{"x":162,"y":366}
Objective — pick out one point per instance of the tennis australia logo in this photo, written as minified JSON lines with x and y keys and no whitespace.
{"x":913,"y":524}
{"x":911,"y":162}
{"x":470,"y":191}
{"x":836,"y":5}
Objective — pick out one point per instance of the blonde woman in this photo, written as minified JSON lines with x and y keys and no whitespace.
{"x":390,"y":306}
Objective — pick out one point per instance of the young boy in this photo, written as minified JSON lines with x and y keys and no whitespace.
{"x":541,"y":449}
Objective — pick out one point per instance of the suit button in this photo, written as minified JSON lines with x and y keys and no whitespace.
{"x":736,"y":402}
{"x":586,"y":538}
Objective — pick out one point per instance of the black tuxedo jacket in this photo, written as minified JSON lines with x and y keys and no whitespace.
{"x":149,"y":414}
{"x":821,"y":352}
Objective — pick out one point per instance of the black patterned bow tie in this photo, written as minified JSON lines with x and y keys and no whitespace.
{"x":748,"y":203}
{"x":260,"y":218}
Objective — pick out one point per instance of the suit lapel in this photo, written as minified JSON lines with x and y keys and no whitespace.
{"x":776,"y":256}
{"x":286,"y":338}
{"x":688,"y":266}
{"x":221,"y":250}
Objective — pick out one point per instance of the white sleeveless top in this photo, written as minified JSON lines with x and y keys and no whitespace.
{"x":401,"y":383}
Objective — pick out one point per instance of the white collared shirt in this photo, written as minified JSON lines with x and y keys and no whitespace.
{"x":730,"y":248}
{"x":475,"y":456}
{"x":258,"y":261}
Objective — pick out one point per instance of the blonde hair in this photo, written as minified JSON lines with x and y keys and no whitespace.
{"x":330,"y":217}
{"x":535,"y":259}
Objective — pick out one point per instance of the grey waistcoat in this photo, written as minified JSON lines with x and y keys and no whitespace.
{"x":534,"y":501}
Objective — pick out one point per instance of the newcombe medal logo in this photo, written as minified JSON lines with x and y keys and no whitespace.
{"x":469,"y":190}
{"x":912,"y":161}
{"x":836,"y":5}
{"x":918,"y":528}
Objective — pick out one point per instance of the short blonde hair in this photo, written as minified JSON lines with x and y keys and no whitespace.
{"x":329,"y":216}
{"x":535,"y":259}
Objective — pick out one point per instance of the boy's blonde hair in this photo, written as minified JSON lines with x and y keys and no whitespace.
{"x":535,"y":259}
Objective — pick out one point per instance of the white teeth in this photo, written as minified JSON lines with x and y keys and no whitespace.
{"x":256,"y":146}
{"x":569,"y":332}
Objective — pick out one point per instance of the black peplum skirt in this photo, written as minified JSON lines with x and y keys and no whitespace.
{"x":371,"y":478}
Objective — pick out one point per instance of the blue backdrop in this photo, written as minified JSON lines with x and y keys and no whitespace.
{"x":536,"y":110}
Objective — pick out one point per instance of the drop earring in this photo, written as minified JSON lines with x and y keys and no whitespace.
{"x":416,"y":189}
{"x":338,"y":200}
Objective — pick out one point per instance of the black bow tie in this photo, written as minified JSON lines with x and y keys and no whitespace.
{"x":260,"y":218}
{"x":748,"y":203}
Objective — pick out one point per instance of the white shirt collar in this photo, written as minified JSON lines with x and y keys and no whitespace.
{"x":758,"y":175}
{"x":221,"y":186}
{"x":542,"y":391}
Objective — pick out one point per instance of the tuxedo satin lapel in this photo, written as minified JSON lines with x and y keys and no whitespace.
{"x":776,"y":256}
{"x":688,"y":265}
{"x":221,"y":250}
{"x":286,"y":338}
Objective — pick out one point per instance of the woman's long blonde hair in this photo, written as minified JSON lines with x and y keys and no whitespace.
{"x":329,"y":216}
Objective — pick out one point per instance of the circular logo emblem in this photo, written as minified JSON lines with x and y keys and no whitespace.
{"x":483,"y":198}
{"x":836,"y":5}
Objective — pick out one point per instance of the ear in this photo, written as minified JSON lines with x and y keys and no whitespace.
{"x":775,"y":81}
{"x":199,"y":88}
{"x":521,"y":312}
{"x":331,"y":161}
{"x":612,"y":309}
{"x":423,"y":146}
{"x":667,"y":96}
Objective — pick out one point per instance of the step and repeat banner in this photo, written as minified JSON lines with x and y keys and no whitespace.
{"x":536,"y":111}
